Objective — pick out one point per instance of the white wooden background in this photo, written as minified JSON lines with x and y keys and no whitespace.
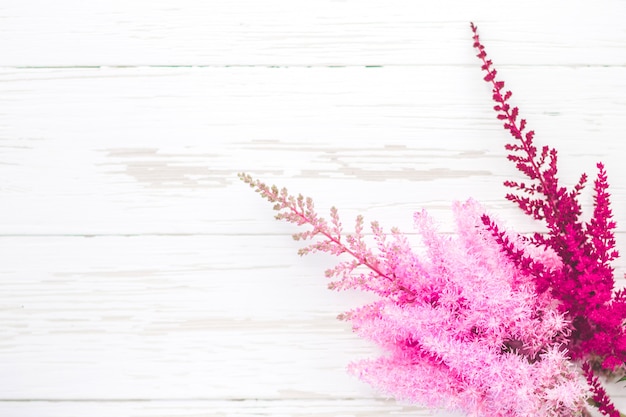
{"x":139,"y":277}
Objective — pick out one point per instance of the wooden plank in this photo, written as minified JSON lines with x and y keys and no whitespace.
{"x":241,"y":408}
{"x":146,"y":150}
{"x":192,"y":317}
{"x":180,"y":318}
{"x":320,"y":32}
{"x":245,"y":408}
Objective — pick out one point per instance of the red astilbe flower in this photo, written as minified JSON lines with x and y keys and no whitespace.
{"x":585,"y":283}
{"x":599,"y":395}
{"x":461,"y":325}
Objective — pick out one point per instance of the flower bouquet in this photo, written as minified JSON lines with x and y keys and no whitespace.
{"x":486,"y":321}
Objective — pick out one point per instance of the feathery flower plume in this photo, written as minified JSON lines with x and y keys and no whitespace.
{"x":584,"y":285}
{"x":599,"y":396}
{"x":461,"y":324}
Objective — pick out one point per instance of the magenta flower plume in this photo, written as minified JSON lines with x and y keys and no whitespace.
{"x":599,"y":395}
{"x":584,"y":285}
{"x":461,"y":324}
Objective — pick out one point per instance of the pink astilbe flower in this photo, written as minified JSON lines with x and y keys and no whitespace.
{"x":584,"y":285}
{"x":461,"y":324}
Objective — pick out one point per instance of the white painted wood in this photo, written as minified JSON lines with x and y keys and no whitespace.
{"x":321,"y":32}
{"x":139,"y":277}
{"x":170,"y":317}
{"x":223,"y":408}
{"x":153,"y":150}
{"x":187,"y":317}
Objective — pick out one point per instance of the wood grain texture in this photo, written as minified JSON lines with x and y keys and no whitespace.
{"x":324,"y":32}
{"x":223,"y":408}
{"x":139,"y":277}
{"x":152,"y":150}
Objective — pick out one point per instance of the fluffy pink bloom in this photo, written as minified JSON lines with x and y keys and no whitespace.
{"x":474,"y":336}
{"x":461,"y":324}
{"x":584,"y":284}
